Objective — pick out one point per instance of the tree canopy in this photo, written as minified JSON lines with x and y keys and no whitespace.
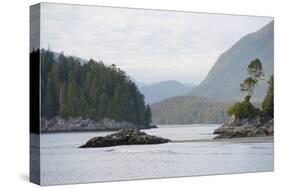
{"x":268,"y":102}
{"x":245,"y":109}
{"x":189,"y":110}
{"x":89,"y":90}
{"x":255,"y":72}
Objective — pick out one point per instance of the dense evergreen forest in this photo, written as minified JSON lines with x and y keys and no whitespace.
{"x":189,"y":110}
{"x":92,"y":90}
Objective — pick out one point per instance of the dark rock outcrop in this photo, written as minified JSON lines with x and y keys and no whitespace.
{"x":124,"y":137}
{"x":58,"y":124}
{"x":246,"y":127}
{"x":153,"y":126}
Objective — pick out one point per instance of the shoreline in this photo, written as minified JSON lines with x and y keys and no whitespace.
{"x":152,"y":126}
{"x":232,"y":140}
{"x":88,"y":131}
{"x":79,"y":124}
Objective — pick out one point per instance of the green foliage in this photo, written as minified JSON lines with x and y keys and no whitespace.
{"x":148,"y":114}
{"x":255,"y":72}
{"x":243,"y":109}
{"x":255,"y":69}
{"x":268,"y":102}
{"x":90,"y":90}
{"x":248,"y":85}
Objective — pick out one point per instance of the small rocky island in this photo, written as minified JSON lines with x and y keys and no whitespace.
{"x":245,"y":119}
{"x":246,"y":127}
{"x":124,"y":137}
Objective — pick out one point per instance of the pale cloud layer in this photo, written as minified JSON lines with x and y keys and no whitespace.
{"x":149,"y":45}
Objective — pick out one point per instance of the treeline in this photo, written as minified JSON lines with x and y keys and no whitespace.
{"x":89,"y":90}
{"x":245,"y":109}
{"x":189,"y":110}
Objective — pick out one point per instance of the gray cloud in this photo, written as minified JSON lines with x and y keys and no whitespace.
{"x":149,"y":45}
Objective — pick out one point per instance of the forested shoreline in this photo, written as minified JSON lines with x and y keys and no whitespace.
{"x":71,"y":89}
{"x":189,"y":110}
{"x":246,"y":120}
{"x":90,"y":93}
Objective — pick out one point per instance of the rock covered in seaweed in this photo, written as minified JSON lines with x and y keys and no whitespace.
{"x":124,"y":137}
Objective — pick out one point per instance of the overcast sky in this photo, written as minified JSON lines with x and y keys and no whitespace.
{"x":149,"y":45}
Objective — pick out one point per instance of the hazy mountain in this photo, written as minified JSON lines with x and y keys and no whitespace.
{"x":189,"y":84}
{"x":140,"y":84}
{"x":189,"y":110}
{"x":223,"y":81}
{"x":164,"y":89}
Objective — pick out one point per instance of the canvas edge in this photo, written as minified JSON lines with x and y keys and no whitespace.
{"x":34,"y":95}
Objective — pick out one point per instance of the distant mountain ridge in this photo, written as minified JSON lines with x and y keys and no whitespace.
{"x":223,"y":81}
{"x":164,"y":89}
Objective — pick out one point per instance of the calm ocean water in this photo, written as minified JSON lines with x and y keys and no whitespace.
{"x":62,"y":162}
